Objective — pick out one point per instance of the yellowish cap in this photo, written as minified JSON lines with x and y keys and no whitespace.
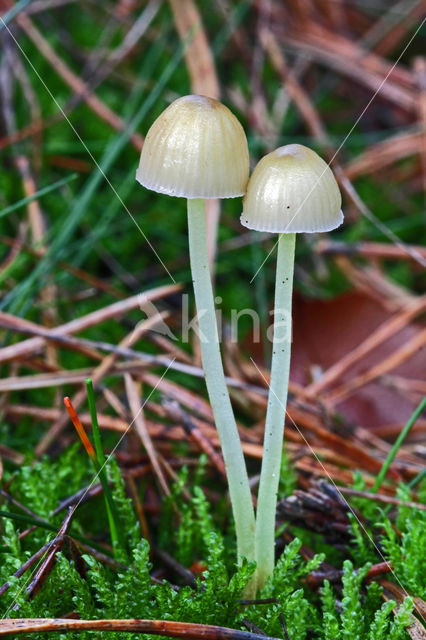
{"x":292,"y":190}
{"x":195,"y":149}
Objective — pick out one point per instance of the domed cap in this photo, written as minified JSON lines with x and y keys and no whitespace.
{"x":292,"y":190}
{"x":195,"y":149}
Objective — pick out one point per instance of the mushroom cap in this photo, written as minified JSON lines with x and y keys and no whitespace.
{"x":195,"y":149}
{"x":292,"y":190}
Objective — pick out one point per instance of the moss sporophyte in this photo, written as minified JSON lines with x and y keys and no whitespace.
{"x":197,"y":149}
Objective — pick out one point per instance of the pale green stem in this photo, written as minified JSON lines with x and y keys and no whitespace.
{"x":275,"y":415}
{"x":239,"y":488}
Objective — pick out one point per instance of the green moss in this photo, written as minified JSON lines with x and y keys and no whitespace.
{"x":192,"y":530}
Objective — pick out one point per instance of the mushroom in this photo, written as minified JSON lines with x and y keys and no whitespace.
{"x":292,"y":190}
{"x":197,"y":149}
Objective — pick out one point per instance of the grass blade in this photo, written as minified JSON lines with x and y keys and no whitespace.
{"x":398,"y":442}
{"x":38,"y":194}
{"x":99,"y":467}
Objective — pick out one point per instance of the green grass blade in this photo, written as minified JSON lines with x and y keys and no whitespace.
{"x":417,"y":479}
{"x":28,"y":520}
{"x":398,"y":442}
{"x":43,"y":524}
{"x":112,"y":515}
{"x":20,"y":299}
{"x":38,"y":194}
{"x":95,"y":426}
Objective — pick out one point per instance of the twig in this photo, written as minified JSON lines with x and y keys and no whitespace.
{"x":29,"y":347}
{"x":141,"y":359}
{"x":412,"y":346}
{"x":384,"y":153}
{"x":283,"y":625}
{"x":420,"y":77}
{"x":335,"y":575}
{"x":98,"y":373}
{"x":347,"y":58}
{"x":393,"y":25}
{"x":384,"y":332}
{"x":367,"y":249}
{"x":380,"y":497}
{"x":48,"y":563}
{"x":138,"y":420}
{"x":29,"y":563}
{"x":177,"y":414}
{"x":175,"y":566}
{"x":169,"y":628}
{"x":73,"y":81}
{"x":95,"y":282}
{"x":313,"y":120}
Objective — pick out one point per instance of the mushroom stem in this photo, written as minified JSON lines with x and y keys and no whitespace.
{"x":239,"y":488}
{"x":275,"y":415}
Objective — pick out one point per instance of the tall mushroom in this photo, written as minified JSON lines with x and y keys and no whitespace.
{"x":197,"y":149}
{"x":292,"y":190}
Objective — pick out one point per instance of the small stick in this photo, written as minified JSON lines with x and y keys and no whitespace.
{"x":245,"y":603}
{"x":400,"y":355}
{"x":379,"y":497}
{"x":282,"y":620}
{"x":384,"y":332}
{"x":176,"y":413}
{"x":84,"y":494}
{"x":253,"y":627}
{"x":139,"y":507}
{"x":29,"y":563}
{"x":142,"y":431}
{"x":84,"y":345}
{"x":175,"y":566}
{"x":169,"y":628}
{"x":334,"y":575}
{"x":31,"y":345}
{"x":99,"y":555}
{"x":48,"y":563}
{"x":12,"y":500}
{"x":367,"y":249}
{"x":100,"y":371}
{"x":73,"y":80}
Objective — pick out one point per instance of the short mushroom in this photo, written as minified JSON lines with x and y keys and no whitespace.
{"x":292,"y":190}
{"x":197,"y":149}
